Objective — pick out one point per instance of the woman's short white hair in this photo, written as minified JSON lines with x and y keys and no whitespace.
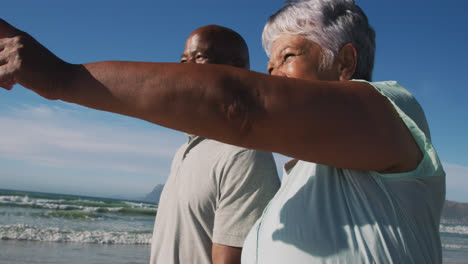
{"x":329,"y":23}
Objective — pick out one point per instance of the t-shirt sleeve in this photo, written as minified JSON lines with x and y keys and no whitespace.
{"x":248,"y":180}
{"x":430,"y":165}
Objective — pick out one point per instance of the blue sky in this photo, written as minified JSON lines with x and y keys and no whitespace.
{"x":58,"y":147}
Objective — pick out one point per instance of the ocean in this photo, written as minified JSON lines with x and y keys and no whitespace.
{"x":54,"y":228}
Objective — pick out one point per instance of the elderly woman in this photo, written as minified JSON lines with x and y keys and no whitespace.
{"x":339,"y":208}
{"x":368,"y":188}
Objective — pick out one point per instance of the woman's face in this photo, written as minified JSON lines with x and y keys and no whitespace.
{"x":297,"y":57}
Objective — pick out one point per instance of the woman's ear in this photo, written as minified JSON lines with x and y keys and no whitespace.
{"x":346,"y":62}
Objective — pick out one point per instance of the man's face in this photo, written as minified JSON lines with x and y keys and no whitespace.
{"x":202,"y":49}
{"x":297,"y":57}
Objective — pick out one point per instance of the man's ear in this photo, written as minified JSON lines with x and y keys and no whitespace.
{"x":347,"y":61}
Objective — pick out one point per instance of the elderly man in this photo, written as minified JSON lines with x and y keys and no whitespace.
{"x":215,"y":191}
{"x":369,"y":186}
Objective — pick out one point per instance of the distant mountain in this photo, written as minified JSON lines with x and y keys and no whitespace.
{"x":455,"y":210}
{"x":155,"y":194}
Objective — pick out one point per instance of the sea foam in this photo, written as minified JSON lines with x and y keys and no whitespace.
{"x":33,"y":233}
{"x":454,"y":229}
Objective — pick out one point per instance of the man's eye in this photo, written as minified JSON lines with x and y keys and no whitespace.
{"x":183,"y":61}
{"x":200,"y":56}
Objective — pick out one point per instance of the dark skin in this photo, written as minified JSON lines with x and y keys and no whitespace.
{"x":213,"y":44}
{"x":359,"y":128}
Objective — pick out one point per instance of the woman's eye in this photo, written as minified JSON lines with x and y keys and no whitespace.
{"x":287,"y":56}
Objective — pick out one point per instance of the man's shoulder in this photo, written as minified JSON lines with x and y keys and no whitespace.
{"x":232,"y":149}
{"x":226,"y":152}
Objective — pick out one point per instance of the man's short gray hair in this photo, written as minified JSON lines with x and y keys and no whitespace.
{"x":329,"y":23}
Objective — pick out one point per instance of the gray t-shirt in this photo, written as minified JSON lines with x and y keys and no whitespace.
{"x":214,"y":194}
